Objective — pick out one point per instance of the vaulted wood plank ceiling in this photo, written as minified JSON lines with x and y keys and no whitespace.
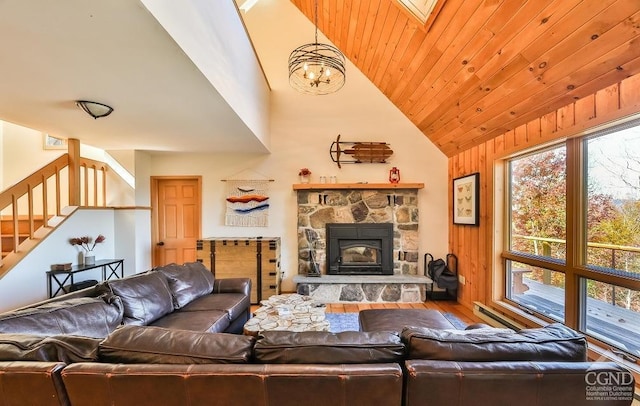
{"x":484,"y":66}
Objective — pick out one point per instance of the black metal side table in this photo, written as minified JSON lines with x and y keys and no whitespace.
{"x":58,"y":279}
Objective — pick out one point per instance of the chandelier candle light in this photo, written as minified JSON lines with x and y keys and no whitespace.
{"x":316,"y":68}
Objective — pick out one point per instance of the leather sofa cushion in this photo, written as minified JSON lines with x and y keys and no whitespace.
{"x":206,"y":273}
{"x":146,"y":297}
{"x":155,"y":345}
{"x":187,"y":282}
{"x":554,"y":342}
{"x":84,"y":316}
{"x":211,"y":321}
{"x":319,"y":347}
{"x":57,"y":348}
{"x":235,"y":304}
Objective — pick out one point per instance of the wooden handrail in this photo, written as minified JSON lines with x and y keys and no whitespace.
{"x":22,"y":187}
{"x":11,"y":197}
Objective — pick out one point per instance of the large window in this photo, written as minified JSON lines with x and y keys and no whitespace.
{"x":613,"y":202}
{"x":573,"y":248}
{"x":537,"y":289}
{"x":538,"y":203}
{"x":612,"y":315}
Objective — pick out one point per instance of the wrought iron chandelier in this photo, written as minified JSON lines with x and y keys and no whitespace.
{"x":316,"y":68}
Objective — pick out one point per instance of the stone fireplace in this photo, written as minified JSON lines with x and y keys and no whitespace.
{"x":327,"y":210}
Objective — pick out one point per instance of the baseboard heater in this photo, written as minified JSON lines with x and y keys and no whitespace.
{"x":494,"y":318}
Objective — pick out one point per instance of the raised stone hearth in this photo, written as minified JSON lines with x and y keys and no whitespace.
{"x":363,"y":289}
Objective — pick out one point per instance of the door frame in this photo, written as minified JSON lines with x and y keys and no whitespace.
{"x":154,"y":208}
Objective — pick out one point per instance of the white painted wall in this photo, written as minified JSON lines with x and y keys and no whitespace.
{"x":22,"y":153}
{"x":132,"y":229}
{"x":27,"y":282}
{"x":300,"y":139}
{"x":143,"y":178}
{"x":212,"y":35}
{"x":142,"y":218}
{"x":128,"y":231}
{"x":126,"y":158}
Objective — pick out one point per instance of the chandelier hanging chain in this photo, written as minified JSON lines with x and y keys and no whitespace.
{"x":316,"y":20}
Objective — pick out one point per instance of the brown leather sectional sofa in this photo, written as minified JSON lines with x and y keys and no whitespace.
{"x":387,"y":363}
{"x":173,"y":296}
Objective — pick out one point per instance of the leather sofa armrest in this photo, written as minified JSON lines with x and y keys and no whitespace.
{"x":232,"y":285}
{"x":430,"y":382}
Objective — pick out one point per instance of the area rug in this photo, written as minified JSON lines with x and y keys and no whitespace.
{"x":339,"y":322}
{"x":349,"y":321}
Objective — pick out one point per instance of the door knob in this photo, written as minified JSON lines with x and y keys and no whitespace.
{"x":161,"y":243}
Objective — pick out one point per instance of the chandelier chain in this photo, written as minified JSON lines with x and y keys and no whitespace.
{"x":316,"y":19}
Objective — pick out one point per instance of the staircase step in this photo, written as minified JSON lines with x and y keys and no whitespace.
{"x":6,"y":225}
{"x":7,"y":240}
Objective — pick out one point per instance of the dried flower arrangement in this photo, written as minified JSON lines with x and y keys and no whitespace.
{"x":87,"y":243}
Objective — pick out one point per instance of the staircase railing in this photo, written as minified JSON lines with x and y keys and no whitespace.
{"x":41,"y":196}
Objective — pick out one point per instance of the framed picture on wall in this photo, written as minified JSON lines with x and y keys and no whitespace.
{"x":51,"y":142}
{"x":466,"y":202}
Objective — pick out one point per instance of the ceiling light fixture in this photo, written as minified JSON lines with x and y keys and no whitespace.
{"x":316,"y":68}
{"x":94,"y":109}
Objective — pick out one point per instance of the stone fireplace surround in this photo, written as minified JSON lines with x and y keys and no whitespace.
{"x":319,"y":204}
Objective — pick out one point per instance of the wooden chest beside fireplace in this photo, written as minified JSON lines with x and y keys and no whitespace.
{"x":254,"y":258}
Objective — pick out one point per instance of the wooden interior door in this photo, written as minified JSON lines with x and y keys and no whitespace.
{"x":177,"y":219}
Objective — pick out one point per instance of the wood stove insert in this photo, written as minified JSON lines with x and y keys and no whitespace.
{"x":360,"y":249}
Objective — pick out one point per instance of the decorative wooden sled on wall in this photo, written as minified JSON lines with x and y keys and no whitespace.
{"x":359,"y":152}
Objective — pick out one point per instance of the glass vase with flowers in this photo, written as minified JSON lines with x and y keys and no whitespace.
{"x":87,"y":244}
{"x":305,"y":175}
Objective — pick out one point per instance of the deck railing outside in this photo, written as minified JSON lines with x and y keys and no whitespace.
{"x":621,"y":259}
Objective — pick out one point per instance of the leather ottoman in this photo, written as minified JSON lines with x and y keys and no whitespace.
{"x":397,"y":319}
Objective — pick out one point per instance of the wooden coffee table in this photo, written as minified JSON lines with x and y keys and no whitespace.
{"x":288,"y":312}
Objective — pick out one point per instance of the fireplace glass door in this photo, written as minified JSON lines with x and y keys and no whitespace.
{"x":357,"y":254}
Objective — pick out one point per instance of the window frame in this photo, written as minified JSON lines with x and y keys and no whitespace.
{"x":575,"y":266}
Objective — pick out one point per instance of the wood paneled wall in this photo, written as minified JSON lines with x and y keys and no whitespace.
{"x":474,"y":245}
